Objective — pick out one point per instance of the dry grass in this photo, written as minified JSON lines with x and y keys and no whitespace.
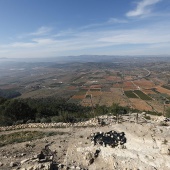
{"x":23,"y":136}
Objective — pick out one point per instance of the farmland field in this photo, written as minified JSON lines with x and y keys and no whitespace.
{"x":128,"y":85}
{"x":81,"y":92}
{"x":162,"y":90}
{"x":139,"y":84}
{"x":140,"y":105}
{"x":166,"y":87}
{"x":144,"y":83}
{"x":142,"y":95}
{"x":130,"y":94}
{"x":95,"y":89}
{"x":149,"y":91}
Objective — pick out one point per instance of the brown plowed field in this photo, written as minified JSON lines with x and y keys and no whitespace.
{"x":107,"y":98}
{"x":128,"y":86}
{"x":144,"y":83}
{"x":148,"y":91}
{"x":78,"y":97}
{"x":95,"y":86}
{"x":113,"y":78}
{"x":117,"y":85}
{"x":140,"y":105}
{"x":94,"y":93}
{"x":162,"y":90}
{"x":128,"y":78}
{"x":71,"y":88}
{"x":156,"y":105}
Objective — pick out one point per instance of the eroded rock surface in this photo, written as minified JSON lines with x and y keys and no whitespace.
{"x":147,"y":147}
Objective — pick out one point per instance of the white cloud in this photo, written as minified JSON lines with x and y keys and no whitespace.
{"x":41,"y":31}
{"x":140,"y":36}
{"x":117,"y":21}
{"x":142,"y":8}
{"x":104,"y":24}
{"x":22,"y":45}
{"x":80,"y":41}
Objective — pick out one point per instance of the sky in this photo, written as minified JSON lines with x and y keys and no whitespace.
{"x":51,"y":28}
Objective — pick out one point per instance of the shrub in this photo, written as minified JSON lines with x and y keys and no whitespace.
{"x":45,"y":120}
{"x":147,"y":117}
{"x":165,"y":141}
{"x":56,"y":119}
{"x":167,"y":114}
{"x":154,"y":113}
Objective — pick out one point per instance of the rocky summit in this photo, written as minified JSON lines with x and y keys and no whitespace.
{"x":115,"y":145}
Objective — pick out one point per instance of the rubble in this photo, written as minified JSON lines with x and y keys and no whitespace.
{"x":43,"y":161}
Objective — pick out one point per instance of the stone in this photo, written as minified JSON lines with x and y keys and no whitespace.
{"x":12,"y":164}
{"x":23,"y":161}
{"x":35,"y":157}
{"x":60,"y":165}
{"x":89,"y":157}
{"x":30,"y":168}
{"x":1,"y":164}
{"x":23,"y":154}
{"x":165,"y":149}
{"x":51,"y":158}
{"x":72,"y":167}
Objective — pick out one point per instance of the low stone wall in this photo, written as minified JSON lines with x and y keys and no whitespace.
{"x":92,"y":122}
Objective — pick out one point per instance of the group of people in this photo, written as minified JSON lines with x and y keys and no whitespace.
{"x":111,"y":138}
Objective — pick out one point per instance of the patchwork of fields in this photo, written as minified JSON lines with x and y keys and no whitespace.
{"x":93,"y":83}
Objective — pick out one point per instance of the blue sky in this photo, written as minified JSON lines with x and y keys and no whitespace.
{"x":51,"y":28}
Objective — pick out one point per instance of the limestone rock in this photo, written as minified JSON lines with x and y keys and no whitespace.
{"x":12,"y":164}
{"x":165,"y":149}
{"x":23,"y":161}
{"x":72,"y":167}
{"x":1,"y":164}
{"x":89,"y":158}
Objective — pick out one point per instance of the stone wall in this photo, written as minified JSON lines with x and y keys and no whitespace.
{"x":92,"y":122}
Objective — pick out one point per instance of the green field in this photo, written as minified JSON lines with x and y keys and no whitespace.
{"x":96,"y":89}
{"x":142,"y":95}
{"x":130,"y":94}
{"x":81,"y":92}
{"x":76,"y":101}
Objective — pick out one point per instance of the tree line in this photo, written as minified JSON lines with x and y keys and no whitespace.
{"x":9,"y":93}
{"x":17,"y":111}
{"x":45,"y":110}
